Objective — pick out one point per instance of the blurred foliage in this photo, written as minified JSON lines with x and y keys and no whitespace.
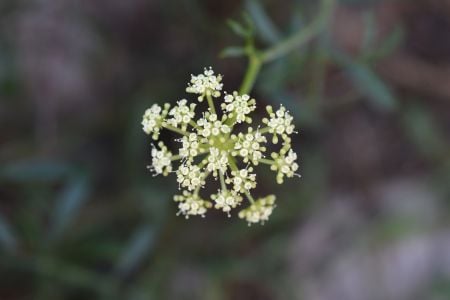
{"x":80,"y":216}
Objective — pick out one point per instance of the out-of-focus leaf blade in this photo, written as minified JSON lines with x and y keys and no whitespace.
{"x":367,"y":82}
{"x":423,"y":131}
{"x":8,"y":240}
{"x":35,"y":171}
{"x":238,"y":29}
{"x":369,"y":33}
{"x":232,"y":52}
{"x":139,"y":247}
{"x":389,"y":44}
{"x":265,"y":28}
{"x":68,"y":204}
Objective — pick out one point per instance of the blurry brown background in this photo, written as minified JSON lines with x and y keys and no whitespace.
{"x":82,"y":218}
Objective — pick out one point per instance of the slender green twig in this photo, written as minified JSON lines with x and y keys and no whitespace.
{"x":175,"y":129}
{"x":254,"y":66}
{"x":264,"y":130}
{"x":211,"y":103}
{"x":266,"y":161}
{"x":222,"y":182}
{"x":257,"y":59}
{"x":250,"y":197}
{"x":303,"y":36}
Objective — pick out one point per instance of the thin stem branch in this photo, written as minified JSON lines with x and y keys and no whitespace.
{"x":193,"y":124}
{"x":222,"y":182}
{"x":232,"y":162}
{"x":210,"y":103}
{"x":250,"y":197}
{"x":258,"y":59}
{"x":266,"y":161}
{"x":264,"y":130}
{"x":303,"y":36}
{"x":254,"y":66}
{"x":175,"y":129}
{"x":175,"y":157}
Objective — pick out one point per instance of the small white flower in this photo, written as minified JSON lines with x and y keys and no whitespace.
{"x":238,"y":107}
{"x":181,"y":114}
{"x":217,"y":161}
{"x":259,"y":211}
{"x":209,"y":125}
{"x":280,"y":123}
{"x":205,"y":84}
{"x":226,"y":200}
{"x":285,"y":165}
{"x":249,"y":147}
{"x":161,"y":160}
{"x":242,"y":180}
{"x":153,"y":119}
{"x":191,"y":204}
{"x":190,"y":176}
{"x":190,"y":147}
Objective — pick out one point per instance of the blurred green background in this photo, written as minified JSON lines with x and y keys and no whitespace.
{"x":82,"y":218}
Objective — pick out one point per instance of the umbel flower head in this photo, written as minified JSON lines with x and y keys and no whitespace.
{"x":212,"y":149}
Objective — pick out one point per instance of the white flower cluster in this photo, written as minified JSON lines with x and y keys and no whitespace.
{"x":239,"y":107}
{"x":181,"y":114}
{"x":161,"y":160}
{"x":226,"y":200}
{"x":248,"y":146}
{"x":206,"y":84}
{"x":191,"y":204}
{"x":211,"y":148}
{"x":279,"y":123}
{"x":259,"y":211}
{"x":153,"y":119}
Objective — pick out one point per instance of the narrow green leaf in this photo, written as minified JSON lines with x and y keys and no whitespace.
{"x":366,"y":81}
{"x":370,"y":32}
{"x":68,"y":204}
{"x":35,"y":171}
{"x":232,"y":52}
{"x":265,"y":28}
{"x":422,"y":130}
{"x":238,"y":29}
{"x":7,"y":238}
{"x":139,"y":247}
{"x":389,"y":44}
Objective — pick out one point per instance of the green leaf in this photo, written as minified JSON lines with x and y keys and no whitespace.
{"x":35,"y":171}
{"x":370,"y":32}
{"x":421,"y":128}
{"x":232,"y":51}
{"x":367,"y":82}
{"x":265,"y":28}
{"x":68,"y":205}
{"x":389,"y":44}
{"x":238,"y":29}
{"x":7,"y":238}
{"x":139,"y":247}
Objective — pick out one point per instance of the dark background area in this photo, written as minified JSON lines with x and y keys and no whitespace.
{"x":82,"y":218}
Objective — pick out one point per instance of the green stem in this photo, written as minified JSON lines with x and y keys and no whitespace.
{"x":211,"y":103}
{"x":222,"y":182}
{"x":254,"y":66}
{"x":193,"y":124}
{"x":249,"y":197}
{"x":175,"y":157}
{"x":232,"y":162}
{"x":266,"y":161}
{"x":303,"y":36}
{"x":175,"y":129}
{"x":264,"y":130}
{"x":197,"y":189}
